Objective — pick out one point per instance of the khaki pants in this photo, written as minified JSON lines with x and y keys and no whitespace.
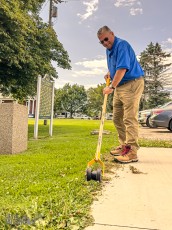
{"x":125,"y":111}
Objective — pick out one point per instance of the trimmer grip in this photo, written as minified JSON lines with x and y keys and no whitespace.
{"x":108,"y":81}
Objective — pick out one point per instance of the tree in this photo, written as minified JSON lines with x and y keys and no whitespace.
{"x":95,"y":100}
{"x":71,"y":99}
{"x":27,"y":48}
{"x":153,"y":62}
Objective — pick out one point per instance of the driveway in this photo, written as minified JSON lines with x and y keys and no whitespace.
{"x":155,"y":133}
{"x":139,"y":195}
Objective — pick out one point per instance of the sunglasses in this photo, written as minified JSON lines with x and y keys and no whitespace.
{"x":104,"y":40}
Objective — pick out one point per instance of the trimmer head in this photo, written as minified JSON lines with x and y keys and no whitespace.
{"x":93,"y":175}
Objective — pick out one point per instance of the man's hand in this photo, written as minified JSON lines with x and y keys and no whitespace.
{"x":107,"y":90}
{"x":107,"y":76}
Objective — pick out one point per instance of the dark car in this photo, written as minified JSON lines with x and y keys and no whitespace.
{"x":163,"y":119}
{"x":145,"y":115}
{"x":96,"y":118}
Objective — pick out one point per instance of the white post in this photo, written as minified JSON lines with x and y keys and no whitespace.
{"x":52,"y":111}
{"x":28,"y":106}
{"x":33,"y":105}
{"x":37,"y":107}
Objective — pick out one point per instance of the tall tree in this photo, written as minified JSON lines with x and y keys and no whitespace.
{"x":27,"y":48}
{"x":71,"y":99}
{"x":153,"y":62}
{"x":95,"y":100}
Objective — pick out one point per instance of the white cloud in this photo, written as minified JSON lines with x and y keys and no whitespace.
{"x":86,"y":72}
{"x":134,"y":10}
{"x":93,"y":63}
{"x":168,"y":60}
{"x":167,"y":45}
{"x":169,"y":40}
{"x":124,"y":3}
{"x":139,"y":3}
{"x":60,"y":82}
{"x":91,"y":68}
{"x":91,"y":7}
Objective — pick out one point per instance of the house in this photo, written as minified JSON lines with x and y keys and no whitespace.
{"x":30,"y":103}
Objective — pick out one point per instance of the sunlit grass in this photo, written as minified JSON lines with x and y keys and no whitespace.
{"x":45,"y":187}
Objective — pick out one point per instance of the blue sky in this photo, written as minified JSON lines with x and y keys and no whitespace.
{"x":138,"y":22}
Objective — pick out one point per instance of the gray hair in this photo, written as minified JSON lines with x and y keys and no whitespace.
{"x":103,"y":29}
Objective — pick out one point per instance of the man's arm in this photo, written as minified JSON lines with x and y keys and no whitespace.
{"x":117,"y":78}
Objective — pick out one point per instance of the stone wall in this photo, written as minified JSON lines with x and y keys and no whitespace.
{"x":13,"y":128}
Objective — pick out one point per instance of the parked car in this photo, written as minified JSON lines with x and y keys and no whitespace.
{"x":96,"y":118}
{"x":31,"y":115}
{"x":163,"y":119}
{"x":81,"y":116}
{"x":85,"y":117}
{"x":144,"y":116}
{"x":61,"y":116}
{"x":156,"y":111}
{"x":109,"y":116}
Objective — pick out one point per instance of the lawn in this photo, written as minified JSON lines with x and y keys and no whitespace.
{"x":45,"y":187}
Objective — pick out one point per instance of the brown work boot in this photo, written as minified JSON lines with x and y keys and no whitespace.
{"x":128,"y":155}
{"x":117,"y":151}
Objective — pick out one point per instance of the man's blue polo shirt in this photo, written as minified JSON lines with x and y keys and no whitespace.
{"x":122,"y":56}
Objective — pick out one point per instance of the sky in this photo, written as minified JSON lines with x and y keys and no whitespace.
{"x":137,"y":21}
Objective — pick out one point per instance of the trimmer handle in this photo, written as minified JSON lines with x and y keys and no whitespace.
{"x":108,"y":81}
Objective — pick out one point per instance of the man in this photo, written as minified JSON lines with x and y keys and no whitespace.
{"x":127,"y":83}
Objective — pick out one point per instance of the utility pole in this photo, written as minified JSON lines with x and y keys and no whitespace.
{"x":50,"y":12}
{"x":53,"y":10}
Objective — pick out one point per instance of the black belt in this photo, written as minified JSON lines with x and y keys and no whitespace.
{"x":135,"y":79}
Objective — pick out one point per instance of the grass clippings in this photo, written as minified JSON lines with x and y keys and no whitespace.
{"x":135,"y":170}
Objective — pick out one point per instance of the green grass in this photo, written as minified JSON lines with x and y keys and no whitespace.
{"x":155,"y":143}
{"x":45,"y":187}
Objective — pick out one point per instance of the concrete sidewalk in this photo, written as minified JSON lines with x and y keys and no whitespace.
{"x":138,"y":200}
